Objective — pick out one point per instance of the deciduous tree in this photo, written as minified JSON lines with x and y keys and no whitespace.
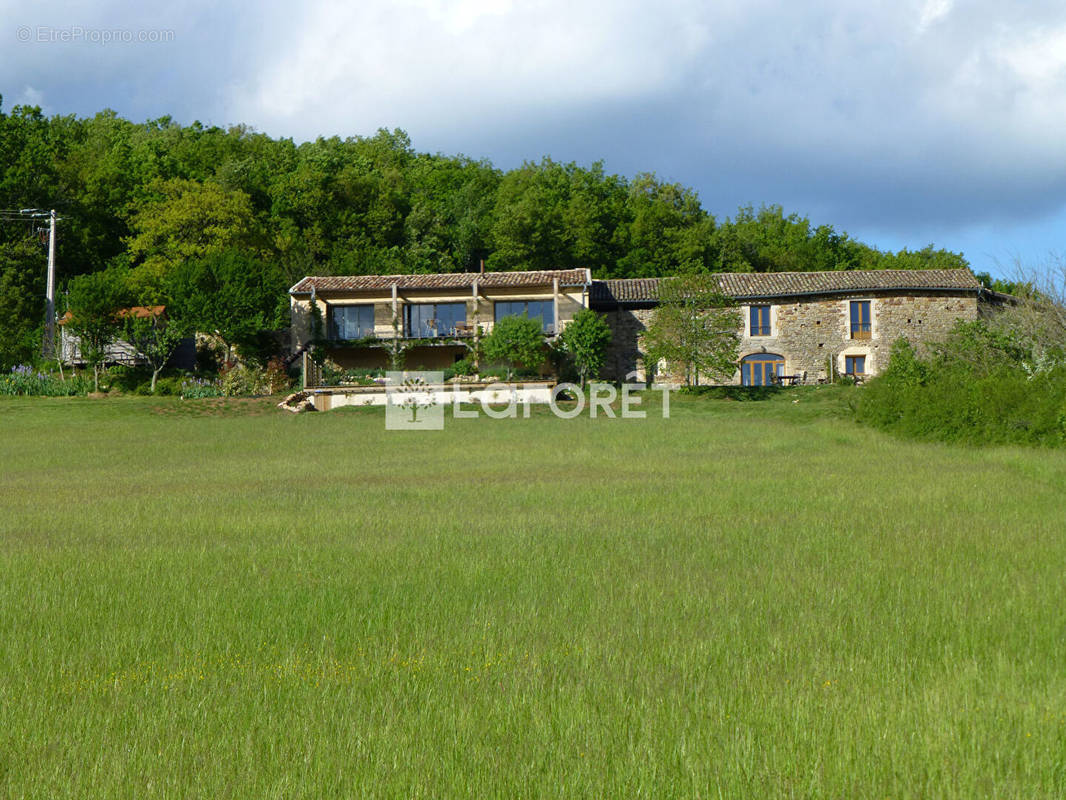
{"x":695,"y":328}
{"x":232,"y":294}
{"x":585,"y":340}
{"x":94,"y":302}
{"x":516,"y":342}
{"x":154,"y":334}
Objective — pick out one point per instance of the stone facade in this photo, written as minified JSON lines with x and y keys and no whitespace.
{"x":625,"y":355}
{"x":810,"y":319}
{"x":813,"y":334}
{"x":809,"y":336}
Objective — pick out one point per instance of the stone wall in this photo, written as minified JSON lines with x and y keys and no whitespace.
{"x":809,"y":333}
{"x":624,"y":354}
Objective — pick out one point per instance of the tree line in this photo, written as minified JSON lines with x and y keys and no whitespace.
{"x":148,"y":197}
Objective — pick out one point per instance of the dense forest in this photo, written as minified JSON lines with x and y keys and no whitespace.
{"x":145,"y":197}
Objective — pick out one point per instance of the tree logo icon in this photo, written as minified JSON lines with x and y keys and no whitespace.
{"x":413,"y":401}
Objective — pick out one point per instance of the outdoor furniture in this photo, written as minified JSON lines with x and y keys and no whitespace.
{"x":464,"y":329}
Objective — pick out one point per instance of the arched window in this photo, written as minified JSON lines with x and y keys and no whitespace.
{"x":758,"y":369}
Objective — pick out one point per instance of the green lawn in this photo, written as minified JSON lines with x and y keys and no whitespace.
{"x":749,"y":599}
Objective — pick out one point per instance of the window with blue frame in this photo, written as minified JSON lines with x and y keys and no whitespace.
{"x":761,"y":369}
{"x":543,"y":310}
{"x":760,"y":321}
{"x":430,"y":320}
{"x":855,"y":365}
{"x":860,"y":319}
{"x":351,"y":322}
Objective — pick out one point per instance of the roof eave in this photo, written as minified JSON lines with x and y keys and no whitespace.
{"x":856,"y":290}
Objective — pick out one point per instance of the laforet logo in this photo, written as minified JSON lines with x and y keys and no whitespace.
{"x":412,"y":402}
{"x":416,"y":400}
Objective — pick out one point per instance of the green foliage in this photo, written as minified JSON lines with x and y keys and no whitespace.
{"x":199,"y":388}
{"x":231,"y":294}
{"x":21,"y":302}
{"x":586,"y":339}
{"x":250,"y":380}
{"x":516,"y":342}
{"x":464,"y":366}
{"x":695,"y":329}
{"x":187,"y":220}
{"x":94,"y":302}
{"x":25,"y":380}
{"x":155,"y":337}
{"x":244,"y":380}
{"x":975,"y":389}
{"x":154,"y":195}
{"x":1018,"y":289}
{"x":125,"y":378}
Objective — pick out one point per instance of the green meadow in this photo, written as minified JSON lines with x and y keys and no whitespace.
{"x":749,"y":599}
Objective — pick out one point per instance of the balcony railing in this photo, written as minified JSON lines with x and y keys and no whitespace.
{"x":457,"y":330}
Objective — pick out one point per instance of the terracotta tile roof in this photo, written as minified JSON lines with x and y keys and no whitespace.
{"x":448,"y":280}
{"x":774,"y":284}
{"x":782,"y":284}
{"x":626,"y":290}
{"x":140,"y":312}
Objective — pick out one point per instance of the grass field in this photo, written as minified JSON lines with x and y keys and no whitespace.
{"x":749,"y":599}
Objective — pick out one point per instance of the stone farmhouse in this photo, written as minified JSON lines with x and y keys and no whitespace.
{"x":798,"y":327}
{"x":807,"y":326}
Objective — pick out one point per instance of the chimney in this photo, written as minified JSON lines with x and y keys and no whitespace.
{"x":482,"y":263}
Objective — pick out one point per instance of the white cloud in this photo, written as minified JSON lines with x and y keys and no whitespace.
{"x":424,"y":63}
{"x":31,"y":97}
{"x":932,"y":12}
{"x":886,"y":112}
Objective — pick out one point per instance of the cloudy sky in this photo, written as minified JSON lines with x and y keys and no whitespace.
{"x":902,"y":123}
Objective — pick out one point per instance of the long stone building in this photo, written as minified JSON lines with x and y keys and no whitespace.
{"x":806,"y":325}
{"x":798,"y":327}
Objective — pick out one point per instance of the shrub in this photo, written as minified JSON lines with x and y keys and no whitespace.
{"x":277,"y":376}
{"x":332,"y":373}
{"x":25,"y":380}
{"x":974,"y":390}
{"x":196,"y":388}
{"x":126,"y":379}
{"x":171,"y":385}
{"x":517,"y":342}
{"x":585,"y":340}
{"x":244,"y":381}
{"x":464,"y":366}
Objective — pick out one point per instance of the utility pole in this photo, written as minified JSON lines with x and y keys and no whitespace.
{"x":49,"y":346}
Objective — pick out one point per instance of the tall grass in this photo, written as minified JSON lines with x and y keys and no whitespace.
{"x":208,"y":599}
